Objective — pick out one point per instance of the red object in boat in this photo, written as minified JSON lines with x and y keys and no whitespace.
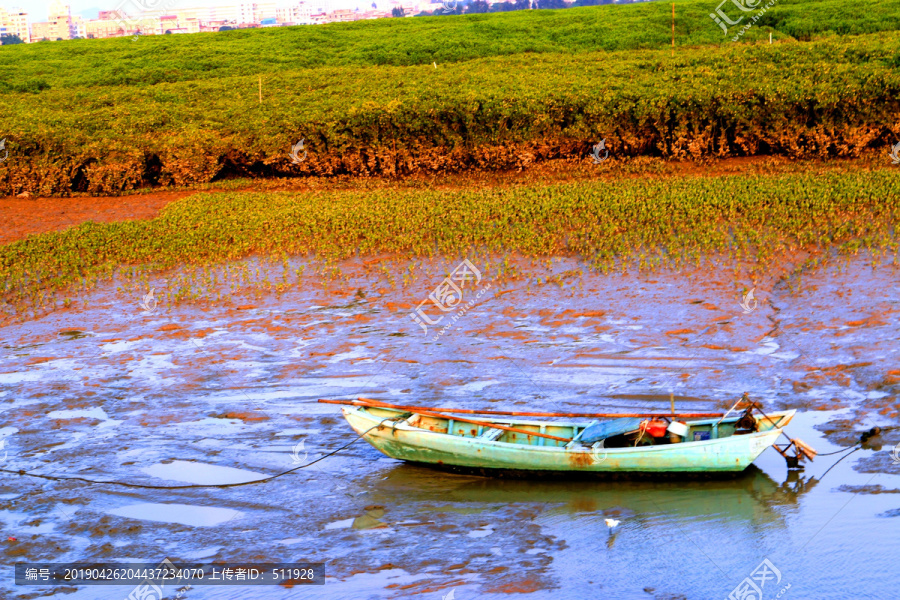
{"x":654,"y":428}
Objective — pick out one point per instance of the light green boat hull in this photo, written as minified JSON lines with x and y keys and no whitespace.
{"x":403,"y":441}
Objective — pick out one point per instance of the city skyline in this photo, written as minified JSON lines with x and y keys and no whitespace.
{"x":160,"y":17}
{"x":38,"y":10}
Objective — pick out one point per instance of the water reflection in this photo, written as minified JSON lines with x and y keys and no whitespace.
{"x":752,"y":497}
{"x":793,"y":487}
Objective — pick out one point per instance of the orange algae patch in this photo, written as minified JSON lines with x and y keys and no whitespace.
{"x":246,"y":417}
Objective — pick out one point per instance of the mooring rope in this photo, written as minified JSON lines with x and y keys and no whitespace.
{"x":863,"y":438}
{"x":836,"y":462}
{"x":192,"y":486}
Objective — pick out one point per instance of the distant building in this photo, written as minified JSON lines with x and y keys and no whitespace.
{"x":239,"y":14}
{"x":61,"y":14}
{"x":299,"y":14}
{"x":263,"y":11}
{"x":374,"y":14}
{"x":43,"y":31}
{"x":409,"y":7}
{"x":131,"y":20}
{"x":322,"y":6}
{"x":208,"y":26}
{"x":167,"y":24}
{"x":60,"y":25}
{"x":104,"y":28}
{"x":190,"y":25}
{"x":342,"y":16}
{"x":80,"y":27}
{"x":15,"y":22}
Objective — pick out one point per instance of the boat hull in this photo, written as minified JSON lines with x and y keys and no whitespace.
{"x":471,"y":454}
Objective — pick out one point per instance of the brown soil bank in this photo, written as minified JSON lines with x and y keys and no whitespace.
{"x":149,"y":170}
{"x":22,"y":217}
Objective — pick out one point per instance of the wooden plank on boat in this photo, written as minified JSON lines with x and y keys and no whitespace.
{"x":491,"y":434}
{"x":497,"y":425}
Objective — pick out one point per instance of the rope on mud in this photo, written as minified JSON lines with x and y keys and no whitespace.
{"x":865,"y":437}
{"x":195,"y":486}
{"x":839,"y":451}
{"x":836,"y":463}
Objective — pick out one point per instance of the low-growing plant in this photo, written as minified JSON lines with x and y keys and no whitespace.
{"x":646,"y":224}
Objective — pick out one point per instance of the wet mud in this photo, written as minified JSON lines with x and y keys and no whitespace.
{"x":222,"y":387}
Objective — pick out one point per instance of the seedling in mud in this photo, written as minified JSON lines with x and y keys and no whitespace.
{"x":611,"y":228}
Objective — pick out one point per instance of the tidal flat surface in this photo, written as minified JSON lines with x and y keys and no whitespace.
{"x":223,"y":389}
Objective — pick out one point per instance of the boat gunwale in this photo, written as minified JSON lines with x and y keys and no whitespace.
{"x":511,"y":422}
{"x":405,"y":427}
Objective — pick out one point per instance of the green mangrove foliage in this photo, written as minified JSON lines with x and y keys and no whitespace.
{"x":404,"y":42}
{"x":103,"y":116}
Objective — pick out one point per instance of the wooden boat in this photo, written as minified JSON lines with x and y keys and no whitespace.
{"x":719,"y":444}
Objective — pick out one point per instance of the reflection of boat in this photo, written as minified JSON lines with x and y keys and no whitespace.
{"x":625,"y":445}
{"x":750,"y":497}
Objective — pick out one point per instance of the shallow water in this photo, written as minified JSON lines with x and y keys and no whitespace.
{"x":225,"y":392}
{"x":200,"y":473}
{"x":185,"y":514}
